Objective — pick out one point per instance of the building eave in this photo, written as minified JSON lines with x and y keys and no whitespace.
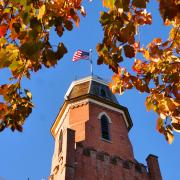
{"x":96,"y":98}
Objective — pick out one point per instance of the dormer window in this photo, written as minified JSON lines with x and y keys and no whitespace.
{"x":105,"y":126}
{"x":103,"y":93}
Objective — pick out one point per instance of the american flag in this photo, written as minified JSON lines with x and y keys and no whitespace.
{"x":80,"y":55}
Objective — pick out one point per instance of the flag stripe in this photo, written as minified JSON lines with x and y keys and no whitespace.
{"x":80,"y":55}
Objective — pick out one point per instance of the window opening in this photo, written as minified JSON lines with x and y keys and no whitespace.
{"x":60,"y":141}
{"x":105,"y":128}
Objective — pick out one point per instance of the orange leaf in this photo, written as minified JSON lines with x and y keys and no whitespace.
{"x":3,"y":89}
{"x":3,"y":107}
{"x":159,"y":124}
{"x":3,"y":29}
{"x":136,"y":45}
{"x":136,"y":66}
{"x":157,"y":41}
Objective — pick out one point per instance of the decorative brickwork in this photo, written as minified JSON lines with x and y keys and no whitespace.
{"x":83,"y":153}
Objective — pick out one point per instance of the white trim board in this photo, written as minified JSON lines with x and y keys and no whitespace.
{"x":92,"y":101}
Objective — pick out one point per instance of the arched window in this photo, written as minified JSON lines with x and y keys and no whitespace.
{"x":105,"y":127}
{"x":60,"y":141}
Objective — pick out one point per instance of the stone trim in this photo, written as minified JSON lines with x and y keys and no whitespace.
{"x":111,"y":108}
{"x":104,"y":113}
{"x":82,"y":102}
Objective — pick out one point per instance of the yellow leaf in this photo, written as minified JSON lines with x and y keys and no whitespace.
{"x":146,"y":54}
{"x":159,"y":124}
{"x":109,"y":3}
{"x":2,"y":41}
{"x":14,"y":106}
{"x":28,"y":93}
{"x":149,"y":104}
{"x":42,"y":10}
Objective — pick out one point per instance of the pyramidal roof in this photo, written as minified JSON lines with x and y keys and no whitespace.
{"x":91,"y":85}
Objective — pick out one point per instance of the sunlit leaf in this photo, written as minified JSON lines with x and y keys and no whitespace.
{"x":108,"y":3}
{"x":41,"y":11}
{"x":149,"y":104}
{"x":28,"y":93}
{"x":159,"y":124}
{"x":82,"y":11}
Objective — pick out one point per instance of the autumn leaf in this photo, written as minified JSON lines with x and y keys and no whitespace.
{"x":176,"y":123}
{"x":3,"y":89}
{"x":25,"y":47}
{"x":119,"y":5}
{"x":157,"y":41}
{"x":28,"y":93}
{"x":169,"y":136}
{"x":149,"y":104}
{"x":108,"y":3}
{"x":139,"y":3}
{"x":160,"y":125}
{"x":3,"y":107}
{"x":3,"y":41}
{"x":105,"y":18}
{"x":75,"y":17}
{"x":42,"y":11}
{"x":31,"y":49}
{"x":82,"y":11}
{"x":3,"y":29}
{"x":68,"y":25}
{"x":129,"y":51}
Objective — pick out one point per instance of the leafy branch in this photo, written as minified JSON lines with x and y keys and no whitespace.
{"x":25,"y":48}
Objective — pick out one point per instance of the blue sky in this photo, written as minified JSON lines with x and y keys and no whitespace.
{"x":29,"y":154}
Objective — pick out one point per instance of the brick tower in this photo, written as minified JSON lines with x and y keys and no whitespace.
{"x":91,"y":137}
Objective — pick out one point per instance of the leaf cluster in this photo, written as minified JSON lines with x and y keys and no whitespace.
{"x":25,"y":48}
{"x":157,"y":73}
{"x":25,"y":27}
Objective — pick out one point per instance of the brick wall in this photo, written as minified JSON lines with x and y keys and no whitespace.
{"x":86,"y":156}
{"x":96,"y":165}
{"x":84,"y":120}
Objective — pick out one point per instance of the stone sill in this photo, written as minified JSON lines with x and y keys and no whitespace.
{"x":109,"y":141}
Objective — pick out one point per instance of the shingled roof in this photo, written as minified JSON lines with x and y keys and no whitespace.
{"x":94,"y":86}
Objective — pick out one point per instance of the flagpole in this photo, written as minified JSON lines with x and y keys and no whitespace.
{"x":91,"y":63}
